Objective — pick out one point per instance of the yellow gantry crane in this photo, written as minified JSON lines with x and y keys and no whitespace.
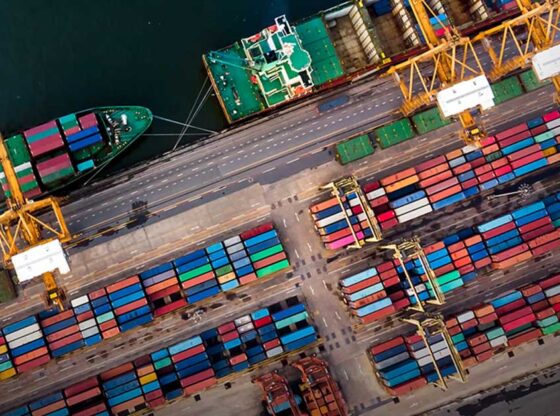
{"x":449,"y":60}
{"x":534,"y":31}
{"x":22,"y":229}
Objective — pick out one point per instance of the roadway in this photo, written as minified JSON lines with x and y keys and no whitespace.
{"x":264,"y":151}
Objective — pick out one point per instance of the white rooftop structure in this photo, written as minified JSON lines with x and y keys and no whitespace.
{"x":465,"y":96}
{"x":546,"y":64}
{"x":40,"y":259}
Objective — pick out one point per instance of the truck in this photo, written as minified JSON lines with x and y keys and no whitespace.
{"x":333,"y":103}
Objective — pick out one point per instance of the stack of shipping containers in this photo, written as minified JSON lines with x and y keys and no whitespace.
{"x":186,"y":367}
{"x":446,"y":180}
{"x":21,"y":160}
{"x":26,"y":344}
{"x":134,"y":301}
{"x":61,"y":331}
{"x":7,"y":369}
{"x":403,"y":363}
{"x":503,"y":242}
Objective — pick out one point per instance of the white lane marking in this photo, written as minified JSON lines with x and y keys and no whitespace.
{"x":297,"y":254}
{"x":285,"y":223}
{"x":309,"y":247}
{"x":325,"y":322}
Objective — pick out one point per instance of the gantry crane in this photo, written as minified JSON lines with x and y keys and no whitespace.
{"x":539,"y":25}
{"x":22,"y":229}
{"x":449,"y":60}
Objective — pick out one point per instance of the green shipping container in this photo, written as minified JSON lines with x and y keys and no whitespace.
{"x":551,"y":320}
{"x":7,"y":289}
{"x":394,"y":133}
{"x":458,"y":338}
{"x":448,"y":277}
{"x":551,"y":329}
{"x":162,"y":363}
{"x":29,"y":186}
{"x":495,"y":333}
{"x":556,"y":223}
{"x":493,"y":156}
{"x":195,"y":272}
{"x":17,"y":150}
{"x":56,"y":176}
{"x":506,"y":89}
{"x":302,"y":316}
{"x":530,"y":81}
{"x":354,"y":149}
{"x":266,"y":253}
{"x":429,"y":120}
{"x":448,"y":287}
{"x":273,"y":268}
{"x":224,"y":270}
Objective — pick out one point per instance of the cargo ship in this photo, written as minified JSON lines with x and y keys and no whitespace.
{"x":55,"y":154}
{"x":285,"y":62}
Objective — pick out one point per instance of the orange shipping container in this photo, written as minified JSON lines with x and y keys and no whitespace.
{"x":401,"y":184}
{"x":445,"y":194}
{"x":323,"y":205}
{"x":269,"y":260}
{"x":110,"y":333}
{"x":398,"y":176}
{"x":433,"y":171}
{"x":122,"y":284}
{"x":160,"y":286}
{"x":30,"y":355}
{"x":131,"y":306}
{"x":436,"y":179}
{"x":197,"y":280}
{"x":454,"y":154}
{"x":484,"y":310}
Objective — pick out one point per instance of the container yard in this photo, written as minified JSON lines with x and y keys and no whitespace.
{"x":353,"y":254}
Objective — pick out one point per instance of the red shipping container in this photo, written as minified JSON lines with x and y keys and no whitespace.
{"x":413,"y":339}
{"x":429,"y":164}
{"x":454,"y":154}
{"x":459,"y":254}
{"x":484,"y":310}
{"x":33,"y":364}
{"x":487,"y":177}
{"x":469,"y":184}
{"x":43,"y":146}
{"x":256,"y":231}
{"x":530,"y":290}
{"x":486,"y":319}
{"x":183,"y":355}
{"x":511,"y":131}
{"x":32,"y":355}
{"x":498,"y":230}
{"x":535,"y":224}
{"x":503,"y":170}
{"x":465,"y":353}
{"x":408,"y":387}
{"x":486,"y":168}
{"x":456,"y":247}
{"x":40,"y":128}
{"x":389,"y":274}
{"x":161,"y":285}
{"x":271,"y":344}
{"x":440,"y":271}
{"x":544,"y":239}
{"x":389,"y":224}
{"x":550,"y":282}
{"x":512,"y":316}
{"x":469,"y":324}
{"x":131,"y":306}
{"x":165,"y":292}
{"x":398,"y":176}
{"x":484,"y":356}
{"x":516,"y":304}
{"x":524,"y":337}
{"x":486,"y":150}
{"x":531,"y":235}
{"x":368,"y":299}
{"x":153,"y":395}
{"x":391,"y":282}
{"x":554,"y":300}
{"x":432,"y":248}
{"x":384,"y":346}
{"x":196,"y":387}
{"x":222,"y":329}
{"x":466,"y":269}
{"x":170,"y":307}
{"x":116,"y":371}
{"x":197,"y":280}
{"x":498,"y":163}
{"x":62,"y":316}
{"x":475,"y":340}
{"x":92,"y":410}
{"x":81,"y":386}
{"x":512,"y":261}
{"x":478,"y":162}
{"x":63,"y":333}
{"x":511,"y":252}
{"x":386,"y":216}
{"x":479,"y":349}
{"x":527,"y":159}
{"x":398,"y":295}
{"x":229,"y":336}
{"x":451,"y":322}
{"x":65,"y":341}
{"x":425,"y":183}
{"x":54,"y":165}
{"x":480,"y":264}
{"x":545,"y":313}
{"x":251,"y":277}
{"x":371,"y":186}
{"x":526,"y":319}
{"x":380,"y":313}
{"x":553,"y":115}
{"x":129,"y":281}
{"x":440,"y":186}
{"x":361,"y":285}
{"x":455,"y":330}
{"x":524,"y":152}
{"x":462,"y":169}
{"x":445,"y":194}
{"x":385,"y":266}
{"x":538,"y":130}
{"x":357,"y":209}
{"x":155,"y":403}
{"x":488,"y":141}
{"x":82,"y":397}
{"x":263,"y":321}
{"x":378,"y":201}
{"x":97,"y":294}
{"x":463,"y":262}
{"x":105,"y":326}
{"x":545,"y":248}
{"x":85,"y":316}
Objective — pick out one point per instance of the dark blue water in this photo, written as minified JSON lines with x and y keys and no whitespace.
{"x":62,"y":56}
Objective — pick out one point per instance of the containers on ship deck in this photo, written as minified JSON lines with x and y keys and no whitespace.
{"x":442,"y":181}
{"x":21,"y":161}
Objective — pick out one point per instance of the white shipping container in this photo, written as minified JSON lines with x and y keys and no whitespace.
{"x":25,"y":340}
{"x":244,"y":328}
{"x":443,"y":353}
{"x":409,"y":216}
{"x":392,"y":360}
{"x":466,"y":316}
{"x":231,"y":241}
{"x":553,"y":124}
{"x":242,"y":320}
{"x":90,"y":332}
{"x":501,"y":340}
{"x":375,"y":194}
{"x":275,"y":351}
{"x":412,"y":206}
{"x":86,"y":324}
{"x":22,"y":332}
{"x":362,"y":217}
{"x":438,"y":346}
{"x":79,"y":301}
{"x":235,"y":248}
{"x":552,"y":291}
{"x":425,"y":361}
{"x":353,"y":202}
{"x":421,"y":353}
{"x":330,"y":220}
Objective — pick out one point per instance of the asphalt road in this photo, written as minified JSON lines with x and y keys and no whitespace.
{"x":263,"y":151}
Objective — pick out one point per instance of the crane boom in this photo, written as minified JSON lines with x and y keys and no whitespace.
{"x":20,"y":223}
